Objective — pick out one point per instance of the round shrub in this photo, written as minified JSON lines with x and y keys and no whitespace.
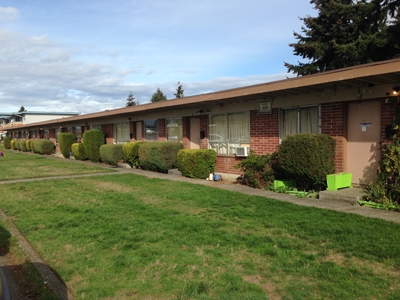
{"x":196,"y":163}
{"x":111,"y":154}
{"x":65,"y":141}
{"x":78,"y":151}
{"x":131,"y":152}
{"x":159,"y":156}
{"x":92,"y":140}
{"x":7,"y":142}
{"x":307,"y":158}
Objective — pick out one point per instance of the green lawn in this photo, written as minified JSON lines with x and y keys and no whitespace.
{"x":131,"y":237}
{"x":20,"y":165}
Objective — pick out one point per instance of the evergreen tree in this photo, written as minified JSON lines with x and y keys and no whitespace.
{"x":179,"y":91}
{"x":22,"y":109}
{"x":345,"y":33}
{"x":158,"y":96}
{"x":130,"y":101}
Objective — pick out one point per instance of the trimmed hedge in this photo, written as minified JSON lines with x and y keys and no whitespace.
{"x":44,"y":147}
{"x":196,"y":163}
{"x":78,"y":151}
{"x":22,"y":146}
{"x":13,"y":145}
{"x":7,"y":142}
{"x":17,"y":145}
{"x":159,"y":156}
{"x":65,"y":141}
{"x":28,"y":145}
{"x":131,"y":152}
{"x":307,"y":158}
{"x":92,"y":140}
{"x":111,"y":154}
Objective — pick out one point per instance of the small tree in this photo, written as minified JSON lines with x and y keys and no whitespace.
{"x":130,"y":101}
{"x":22,"y":109}
{"x":179,"y":91}
{"x":158,"y":96}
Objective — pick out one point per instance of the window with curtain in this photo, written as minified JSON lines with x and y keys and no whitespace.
{"x":122,"y":132}
{"x":299,"y":120}
{"x":151,"y":130}
{"x":174,"y":129}
{"x":228,"y":131}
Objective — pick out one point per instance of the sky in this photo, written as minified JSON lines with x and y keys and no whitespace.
{"x":88,"y":55}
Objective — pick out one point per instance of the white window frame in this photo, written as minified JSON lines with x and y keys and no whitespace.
{"x":122,"y":132}
{"x":225,"y":145}
{"x":175,"y":124}
{"x":147,"y":130}
{"x":298,"y":108}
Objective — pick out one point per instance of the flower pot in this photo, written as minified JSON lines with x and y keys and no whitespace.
{"x":338,"y":181}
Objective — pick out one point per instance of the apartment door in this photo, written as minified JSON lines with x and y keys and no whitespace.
{"x":194,"y":133}
{"x":364,"y":135}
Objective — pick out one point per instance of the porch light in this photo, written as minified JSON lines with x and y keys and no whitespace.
{"x":396,"y":89}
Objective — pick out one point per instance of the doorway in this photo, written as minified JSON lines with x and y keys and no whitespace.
{"x":364,"y":135}
{"x":194,"y":133}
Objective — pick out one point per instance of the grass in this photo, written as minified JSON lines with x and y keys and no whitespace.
{"x":20,"y":165}
{"x":131,"y":237}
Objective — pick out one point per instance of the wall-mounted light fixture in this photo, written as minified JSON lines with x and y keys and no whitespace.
{"x":396,"y":89}
{"x":200,"y":111}
{"x":130,"y":119}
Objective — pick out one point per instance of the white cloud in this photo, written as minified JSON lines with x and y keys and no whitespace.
{"x":8,"y":14}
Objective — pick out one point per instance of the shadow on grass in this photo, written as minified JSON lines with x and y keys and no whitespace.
{"x":28,"y":280}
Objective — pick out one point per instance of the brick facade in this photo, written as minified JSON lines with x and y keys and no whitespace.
{"x":161,"y":130}
{"x":108,"y":130}
{"x":264,"y":132}
{"x":333,"y":123}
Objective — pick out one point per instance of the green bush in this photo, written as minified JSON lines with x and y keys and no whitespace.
{"x":78,"y":151}
{"x":13,"y":145}
{"x":196,"y":163}
{"x":44,"y":147}
{"x":159,"y":156}
{"x":35,"y":148}
{"x":111,"y":154}
{"x":28,"y":145}
{"x":17,"y":145}
{"x":7,"y":142}
{"x":131,"y":152}
{"x":92,"y":140}
{"x":307,"y":159}
{"x":22,"y":146}
{"x":257,"y":170}
{"x":65,"y":140}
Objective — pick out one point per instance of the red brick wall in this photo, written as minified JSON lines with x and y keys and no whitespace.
{"x":108,"y":130}
{"x":333,"y":116}
{"x":161,"y":130}
{"x":264,"y":132}
{"x":226,"y":164}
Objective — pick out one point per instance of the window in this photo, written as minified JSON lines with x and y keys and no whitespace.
{"x":174,"y":129}
{"x":228,"y":131}
{"x":122,"y":132}
{"x":299,"y":120}
{"x":77,"y":130}
{"x":151,"y":130}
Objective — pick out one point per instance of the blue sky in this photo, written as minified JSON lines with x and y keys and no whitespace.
{"x":86,"y":55}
